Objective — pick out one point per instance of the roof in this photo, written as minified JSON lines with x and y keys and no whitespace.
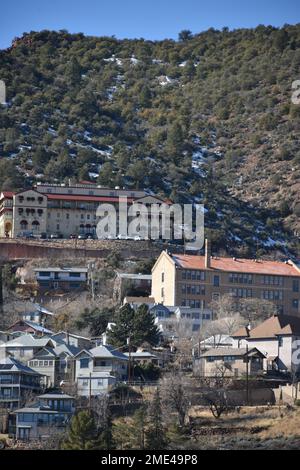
{"x":66,"y":348}
{"x":107,"y":352}
{"x":221,"y":352}
{"x":26,"y":340}
{"x":218,"y":339}
{"x":140,"y":300}
{"x":32,"y":325}
{"x":96,"y":375}
{"x":8,"y":194}
{"x":39,"y":409}
{"x":273,"y":326}
{"x":74,"y":197}
{"x":66,"y":334}
{"x":146,"y":277}
{"x":62,"y":270}
{"x":55,"y":396}
{"x":237,"y":265}
{"x":141,"y":354}
{"x":12,"y":365}
{"x":242,"y":332}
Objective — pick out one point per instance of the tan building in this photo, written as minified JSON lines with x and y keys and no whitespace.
{"x":230,"y":362}
{"x":194,"y":281}
{"x":64,"y":210}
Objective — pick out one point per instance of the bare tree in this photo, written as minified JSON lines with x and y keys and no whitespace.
{"x":176,"y":397}
{"x":214,"y":390}
{"x":216,"y":401}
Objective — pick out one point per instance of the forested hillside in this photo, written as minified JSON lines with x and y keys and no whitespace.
{"x":207,"y":118}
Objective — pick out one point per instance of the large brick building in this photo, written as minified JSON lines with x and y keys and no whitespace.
{"x":61,"y":209}
{"x":193,"y":280}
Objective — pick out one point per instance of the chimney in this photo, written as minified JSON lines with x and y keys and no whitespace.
{"x":207,"y":253}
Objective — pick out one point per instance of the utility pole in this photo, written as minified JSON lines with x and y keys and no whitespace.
{"x":90,"y":392}
{"x":91,"y":272}
{"x":129,"y":359}
{"x":247,"y":375}
{"x":1,"y":286}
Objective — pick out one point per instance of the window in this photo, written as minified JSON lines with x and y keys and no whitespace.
{"x":67,"y":216}
{"x":23,"y":224}
{"x":216,"y":281}
{"x":229,"y":358}
{"x":272,"y":280}
{"x":44,"y":274}
{"x":162,"y":277}
{"x":84,"y":363}
{"x":295,"y":285}
{"x":240,"y":278}
{"x":100,"y":363}
{"x":272,"y":295}
{"x":295,"y":303}
{"x":162,"y":292}
{"x":100,"y":382}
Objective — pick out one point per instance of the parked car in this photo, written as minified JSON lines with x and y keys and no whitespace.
{"x":55,"y":236}
{"x":25,"y":234}
{"x":82,"y":236}
{"x":43,"y":236}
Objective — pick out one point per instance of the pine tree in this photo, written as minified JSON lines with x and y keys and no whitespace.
{"x":123,"y":328}
{"x":137,"y":325}
{"x":155,"y":434}
{"x":83,"y":434}
{"x":145,"y":329}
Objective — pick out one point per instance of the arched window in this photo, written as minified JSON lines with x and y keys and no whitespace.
{"x":35,"y":225}
{"x":24,"y":224}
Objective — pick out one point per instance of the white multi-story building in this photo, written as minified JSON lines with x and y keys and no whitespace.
{"x":63,"y":210}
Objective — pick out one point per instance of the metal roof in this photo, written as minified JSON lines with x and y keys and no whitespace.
{"x":61,"y":270}
{"x":107,"y":352}
{"x":12,"y":365}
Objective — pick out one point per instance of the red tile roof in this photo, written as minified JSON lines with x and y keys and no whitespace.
{"x":237,"y":265}
{"x":8,"y":194}
{"x":273,"y":326}
{"x":74,"y":197}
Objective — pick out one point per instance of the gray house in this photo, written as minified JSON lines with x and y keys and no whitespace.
{"x":17,"y":382}
{"x":25,"y":346}
{"x":56,"y":364}
{"x":71,"y":339}
{"x":98,"y":369}
{"x":49,"y":416}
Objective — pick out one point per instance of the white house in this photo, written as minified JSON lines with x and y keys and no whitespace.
{"x":175,"y":320}
{"x":98,"y":369}
{"x":276,"y":338}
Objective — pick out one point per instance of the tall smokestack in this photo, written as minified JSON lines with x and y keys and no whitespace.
{"x":207,"y":253}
